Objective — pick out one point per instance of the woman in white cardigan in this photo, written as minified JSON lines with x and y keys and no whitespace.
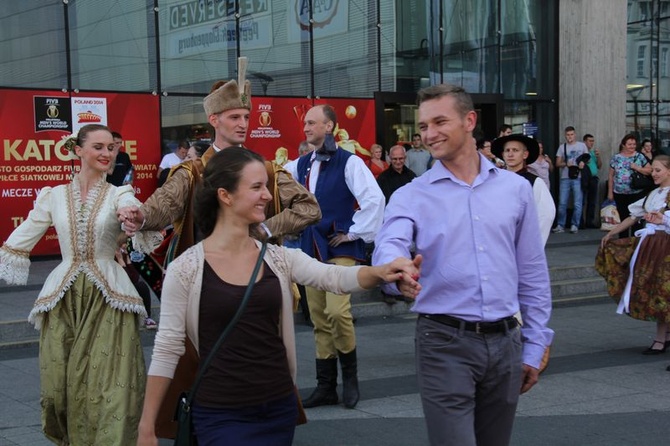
{"x":247,"y":394}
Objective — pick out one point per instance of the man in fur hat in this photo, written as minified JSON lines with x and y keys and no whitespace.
{"x":227,"y":108}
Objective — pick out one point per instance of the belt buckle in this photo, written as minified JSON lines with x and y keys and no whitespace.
{"x":478,"y":328}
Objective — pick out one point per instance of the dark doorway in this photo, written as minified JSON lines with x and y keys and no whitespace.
{"x":396,"y":116}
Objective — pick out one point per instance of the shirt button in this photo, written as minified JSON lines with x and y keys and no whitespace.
{"x":476,"y":218}
{"x":485,"y":278}
{"x":481,"y":248}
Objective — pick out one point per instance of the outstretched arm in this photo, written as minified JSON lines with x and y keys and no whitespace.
{"x":624,"y":225}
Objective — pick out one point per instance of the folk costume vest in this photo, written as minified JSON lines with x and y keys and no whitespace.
{"x":337,"y":204}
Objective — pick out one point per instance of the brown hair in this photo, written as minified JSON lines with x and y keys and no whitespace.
{"x":224,"y":171}
{"x":464,"y":103}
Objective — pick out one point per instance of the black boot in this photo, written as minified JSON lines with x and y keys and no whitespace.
{"x":349,"y":367}
{"x":326,"y":377}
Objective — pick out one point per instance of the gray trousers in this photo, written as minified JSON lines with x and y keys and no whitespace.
{"x":469,"y":383}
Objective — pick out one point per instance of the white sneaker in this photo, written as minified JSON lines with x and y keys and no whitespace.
{"x":558,"y":229}
{"x":574,"y":229}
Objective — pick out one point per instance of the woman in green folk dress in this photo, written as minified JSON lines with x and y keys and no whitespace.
{"x":92,"y":371}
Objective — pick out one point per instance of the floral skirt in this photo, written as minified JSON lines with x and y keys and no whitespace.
{"x":92,"y":371}
{"x":650,"y":292}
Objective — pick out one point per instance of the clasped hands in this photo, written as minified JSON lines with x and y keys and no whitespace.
{"x":131,"y":219}
{"x":405,"y":273}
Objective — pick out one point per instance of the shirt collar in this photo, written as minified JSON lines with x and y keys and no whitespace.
{"x":440,"y":172}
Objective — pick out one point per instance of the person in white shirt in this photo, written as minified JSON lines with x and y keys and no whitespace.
{"x":518,"y":151}
{"x":352,"y":208}
{"x":174,"y":158}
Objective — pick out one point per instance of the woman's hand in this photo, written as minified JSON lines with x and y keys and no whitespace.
{"x":407,"y":280}
{"x":131,"y":219}
{"x":654,"y":217}
{"x":606,"y":239}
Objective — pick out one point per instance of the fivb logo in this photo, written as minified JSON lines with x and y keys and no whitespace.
{"x":264,"y":119}
{"x":52,"y":107}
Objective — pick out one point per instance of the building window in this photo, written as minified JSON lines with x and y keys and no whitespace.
{"x":664,"y":62}
{"x":644,"y":10}
{"x":641,"y":50}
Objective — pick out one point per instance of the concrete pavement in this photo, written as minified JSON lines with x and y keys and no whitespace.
{"x":598,"y":389}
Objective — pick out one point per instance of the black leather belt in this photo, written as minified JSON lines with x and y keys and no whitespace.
{"x":500,"y":326}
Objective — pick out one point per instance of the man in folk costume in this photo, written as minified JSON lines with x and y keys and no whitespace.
{"x":228,"y":108}
{"x":353,"y":209}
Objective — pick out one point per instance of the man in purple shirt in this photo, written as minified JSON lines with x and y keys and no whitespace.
{"x":476,"y":227}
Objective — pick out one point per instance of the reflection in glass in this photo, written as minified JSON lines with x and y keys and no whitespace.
{"x":32,"y":45}
{"x":111,"y":45}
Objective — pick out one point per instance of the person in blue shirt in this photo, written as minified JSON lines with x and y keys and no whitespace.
{"x":476,"y":227}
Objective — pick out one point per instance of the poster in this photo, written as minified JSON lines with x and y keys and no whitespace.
{"x":276,"y":125}
{"x":34,"y":125}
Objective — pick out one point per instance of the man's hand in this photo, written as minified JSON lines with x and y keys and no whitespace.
{"x":338,"y":239}
{"x":529,"y":378}
{"x":408,"y":283}
{"x":131,"y":219}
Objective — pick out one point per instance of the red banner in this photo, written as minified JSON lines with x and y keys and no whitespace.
{"x":33,"y":156}
{"x":276,"y":125}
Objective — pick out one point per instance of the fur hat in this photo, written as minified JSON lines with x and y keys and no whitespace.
{"x":227,"y":96}
{"x":230,"y":95}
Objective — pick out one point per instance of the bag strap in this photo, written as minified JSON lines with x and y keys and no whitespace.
{"x":191,"y":395}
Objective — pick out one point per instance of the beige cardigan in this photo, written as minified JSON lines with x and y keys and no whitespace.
{"x":180,"y":300}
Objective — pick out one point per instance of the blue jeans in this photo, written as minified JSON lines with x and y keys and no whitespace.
{"x":575,"y":186}
{"x":271,"y":423}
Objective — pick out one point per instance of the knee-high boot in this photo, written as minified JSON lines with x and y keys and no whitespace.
{"x":326,"y":377}
{"x":348,"y":363}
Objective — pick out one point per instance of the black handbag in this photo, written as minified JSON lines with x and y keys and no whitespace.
{"x":185,"y":435}
{"x":641,"y":181}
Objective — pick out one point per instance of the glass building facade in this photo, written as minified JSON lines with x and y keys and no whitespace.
{"x":648,"y":71}
{"x":504,"y":51}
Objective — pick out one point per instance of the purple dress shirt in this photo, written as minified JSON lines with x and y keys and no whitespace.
{"x":483,"y":256}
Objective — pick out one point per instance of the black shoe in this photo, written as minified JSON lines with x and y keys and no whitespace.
{"x":321,"y":397}
{"x":654,"y":351}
